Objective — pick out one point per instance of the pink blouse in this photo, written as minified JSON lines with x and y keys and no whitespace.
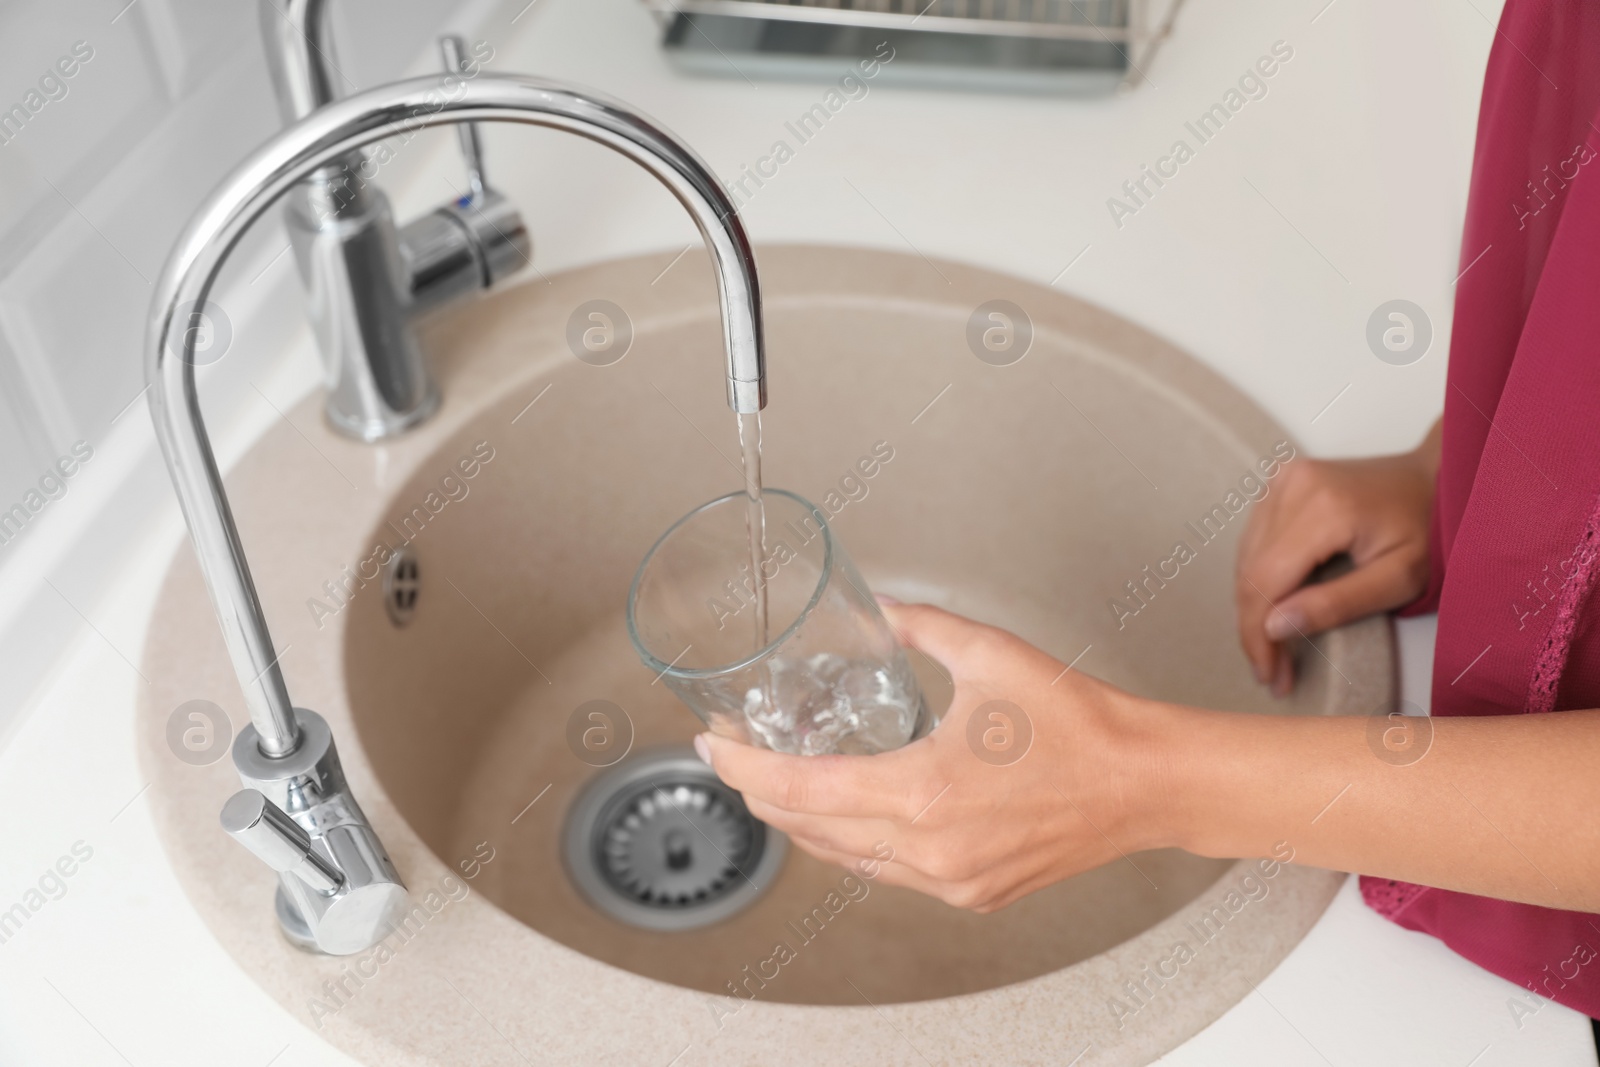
{"x":1516,"y":522}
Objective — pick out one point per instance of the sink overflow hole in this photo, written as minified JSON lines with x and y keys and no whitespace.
{"x":401,"y":583}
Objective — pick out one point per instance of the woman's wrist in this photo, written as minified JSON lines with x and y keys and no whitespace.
{"x":1159,"y":795}
{"x":1205,"y":780}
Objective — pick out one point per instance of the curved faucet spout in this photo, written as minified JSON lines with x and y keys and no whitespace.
{"x":326,"y":135}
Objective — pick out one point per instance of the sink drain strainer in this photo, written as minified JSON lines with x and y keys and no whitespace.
{"x":659,"y":842}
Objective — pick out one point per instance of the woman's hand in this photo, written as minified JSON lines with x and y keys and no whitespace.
{"x":1053,"y":780}
{"x":980,"y":823}
{"x":1377,"y":510}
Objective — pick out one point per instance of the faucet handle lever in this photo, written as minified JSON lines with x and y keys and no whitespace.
{"x":277,"y":840}
{"x":472,"y":242}
{"x":453,"y":50}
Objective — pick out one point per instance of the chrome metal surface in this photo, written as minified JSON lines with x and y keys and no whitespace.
{"x":295,"y":929}
{"x":270,"y":754}
{"x":453,"y":50}
{"x":277,"y":840}
{"x":659,"y":842}
{"x":359,"y":301}
{"x":298,"y":38}
{"x":365,"y":279}
{"x":296,"y":813}
{"x":463,"y":247}
{"x":347,"y":247}
{"x":473,"y":241}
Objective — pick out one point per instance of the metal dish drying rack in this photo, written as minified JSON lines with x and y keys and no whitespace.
{"x":1053,"y":46}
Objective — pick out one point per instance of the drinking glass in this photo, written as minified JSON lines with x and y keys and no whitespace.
{"x":829,"y":677}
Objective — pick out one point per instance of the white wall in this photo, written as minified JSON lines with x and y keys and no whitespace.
{"x":97,"y":183}
{"x":98,"y":173}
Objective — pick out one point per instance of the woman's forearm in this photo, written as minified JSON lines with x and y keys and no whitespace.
{"x":1505,"y":806}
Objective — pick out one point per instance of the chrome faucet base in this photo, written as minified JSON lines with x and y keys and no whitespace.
{"x":338,"y":891}
{"x":374,"y":424}
{"x":295,"y":929}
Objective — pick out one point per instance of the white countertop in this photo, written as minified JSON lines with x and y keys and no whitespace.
{"x":1342,"y":188}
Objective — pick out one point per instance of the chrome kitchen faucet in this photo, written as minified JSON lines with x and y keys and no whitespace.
{"x":338,"y":891}
{"x":366,"y":279}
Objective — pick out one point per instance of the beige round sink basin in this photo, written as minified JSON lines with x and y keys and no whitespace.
{"x":1028,"y":492}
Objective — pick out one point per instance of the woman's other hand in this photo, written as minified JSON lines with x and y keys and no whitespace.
{"x":1377,"y":510}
